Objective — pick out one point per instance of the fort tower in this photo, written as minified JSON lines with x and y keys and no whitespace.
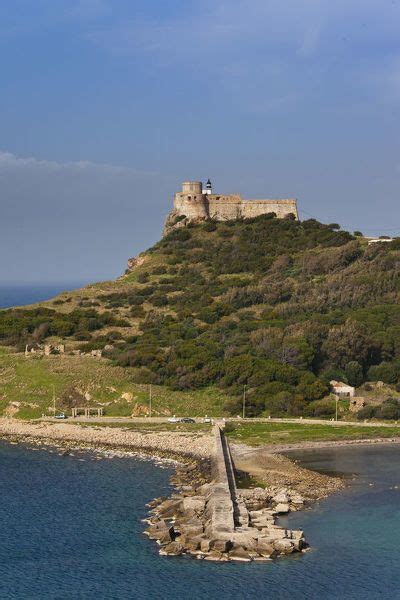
{"x":195,"y":203}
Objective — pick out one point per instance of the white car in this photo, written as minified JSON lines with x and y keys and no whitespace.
{"x":173,"y":419}
{"x":207,"y":419}
{"x":60,"y":415}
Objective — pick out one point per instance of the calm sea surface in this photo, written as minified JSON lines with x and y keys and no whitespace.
{"x":70,"y":528}
{"x":18,"y":295}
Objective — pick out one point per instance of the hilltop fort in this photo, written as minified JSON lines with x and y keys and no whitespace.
{"x":196,"y":203}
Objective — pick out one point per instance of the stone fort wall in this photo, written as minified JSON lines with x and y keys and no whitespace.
{"x":222,"y":209}
{"x":194,"y":204}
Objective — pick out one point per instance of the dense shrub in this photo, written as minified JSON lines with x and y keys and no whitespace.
{"x":22,"y":326}
{"x":389,"y":372}
{"x":389,"y":410}
{"x":321,"y":408}
{"x":354,"y":373}
{"x":279,"y":306}
{"x":143,"y":277}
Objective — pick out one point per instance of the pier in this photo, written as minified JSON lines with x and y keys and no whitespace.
{"x":213,"y":522}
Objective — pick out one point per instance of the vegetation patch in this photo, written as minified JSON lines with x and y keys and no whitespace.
{"x":268,"y":308}
{"x":28,"y":385}
{"x":255,"y":434}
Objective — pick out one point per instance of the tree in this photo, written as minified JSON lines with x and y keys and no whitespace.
{"x":354,"y":373}
{"x":350,"y":342}
{"x":389,"y":372}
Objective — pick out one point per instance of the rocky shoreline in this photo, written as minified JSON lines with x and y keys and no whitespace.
{"x":215,"y":520}
{"x":181,"y":523}
{"x":177,"y":445}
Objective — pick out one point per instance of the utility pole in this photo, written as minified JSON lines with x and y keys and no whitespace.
{"x":150,"y":400}
{"x":54,"y":400}
{"x":336,"y":398}
{"x":244,"y":402}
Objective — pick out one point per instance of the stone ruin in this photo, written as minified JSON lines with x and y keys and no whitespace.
{"x":44,"y":349}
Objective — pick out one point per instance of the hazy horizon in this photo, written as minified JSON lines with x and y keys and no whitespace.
{"x":107,"y":107}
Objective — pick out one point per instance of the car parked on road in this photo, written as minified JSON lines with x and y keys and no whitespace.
{"x":187,"y":420}
{"x":173,"y":419}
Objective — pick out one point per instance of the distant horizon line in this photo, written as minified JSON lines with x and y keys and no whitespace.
{"x":39,"y":283}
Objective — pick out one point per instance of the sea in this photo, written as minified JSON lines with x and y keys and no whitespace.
{"x":71,"y":528}
{"x":12,"y":294}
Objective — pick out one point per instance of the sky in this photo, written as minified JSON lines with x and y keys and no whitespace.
{"x":106,"y":106}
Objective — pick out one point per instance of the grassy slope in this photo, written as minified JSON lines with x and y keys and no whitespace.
{"x":255,"y":434}
{"x":29,"y":382}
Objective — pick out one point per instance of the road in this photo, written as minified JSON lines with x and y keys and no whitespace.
{"x":131,"y":420}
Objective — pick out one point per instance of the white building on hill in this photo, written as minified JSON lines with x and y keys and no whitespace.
{"x":343,"y":390}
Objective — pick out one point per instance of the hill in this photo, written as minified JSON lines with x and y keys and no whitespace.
{"x":278,"y":306}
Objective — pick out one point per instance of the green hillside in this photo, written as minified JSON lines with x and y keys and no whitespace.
{"x":278,"y":306}
{"x":27,"y":385}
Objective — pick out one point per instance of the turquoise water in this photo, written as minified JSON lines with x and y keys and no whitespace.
{"x":70,"y":528}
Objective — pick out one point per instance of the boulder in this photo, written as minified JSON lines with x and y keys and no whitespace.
{"x":282,"y":508}
{"x":281,"y":497}
{"x":193,"y":505}
{"x":284,"y":546}
{"x":266,"y":549}
{"x":299,"y":544}
{"x":239,"y":553}
{"x":191,"y":530}
{"x":204,"y":489}
{"x":261,"y":518}
{"x":296,"y":534}
{"x":255,"y":498}
{"x":221,"y":545}
{"x":278,"y":532}
{"x":192,"y":544}
{"x":186,"y":488}
{"x":274,"y":532}
{"x":296,"y":499}
{"x":245,"y":539}
{"x":160,"y":530}
{"x":169,"y":508}
{"x":155,"y":502}
{"x":214,"y":555}
{"x":205,"y":545}
{"x":166,"y":535}
{"x":297,"y":539}
{"x":255,"y":514}
{"x":172,"y":549}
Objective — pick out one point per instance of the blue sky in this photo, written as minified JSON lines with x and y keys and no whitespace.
{"x":107,"y":105}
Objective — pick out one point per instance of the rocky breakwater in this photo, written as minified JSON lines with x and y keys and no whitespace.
{"x":216,"y":521}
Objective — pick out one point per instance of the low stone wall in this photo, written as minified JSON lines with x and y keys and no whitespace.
{"x":219,"y":505}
